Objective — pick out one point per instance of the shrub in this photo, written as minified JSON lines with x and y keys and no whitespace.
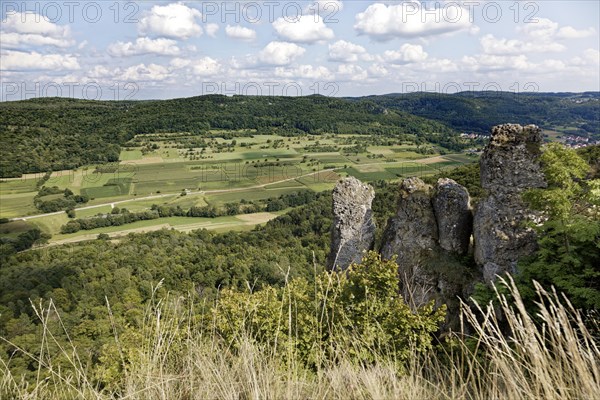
{"x":358,"y":312}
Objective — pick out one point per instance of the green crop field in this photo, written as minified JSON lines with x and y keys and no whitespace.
{"x":113,"y":187}
{"x":369,"y":176}
{"x":51,"y":223}
{"x":186,"y":224}
{"x":249,"y":195}
{"x":16,"y":186}
{"x":127,"y":155}
{"x":17,"y":205}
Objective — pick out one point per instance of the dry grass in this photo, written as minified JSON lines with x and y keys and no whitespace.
{"x":555,"y":358}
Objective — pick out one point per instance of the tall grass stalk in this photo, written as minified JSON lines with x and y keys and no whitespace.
{"x":547,"y":356}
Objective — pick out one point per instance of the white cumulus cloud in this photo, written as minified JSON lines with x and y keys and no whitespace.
{"x":211,"y":29}
{"x":28,"y":28}
{"x":144,"y":45}
{"x":141,"y":72}
{"x":344,"y":51}
{"x":206,"y":66}
{"x":351,"y":72}
{"x":240,"y":32}
{"x":178,"y":62}
{"x":20,"y":60}
{"x":174,"y":20}
{"x":568,"y":32}
{"x":411,"y":19}
{"x":408,"y":53}
{"x":305,"y":72}
{"x":305,"y":29}
{"x":547,"y":30}
{"x":280,"y":53}
{"x":491,"y":62}
{"x":501,"y":46}
{"x":545,"y":36}
{"x":378,"y":70}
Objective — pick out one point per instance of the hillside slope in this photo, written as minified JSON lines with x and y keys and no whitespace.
{"x":57,"y":133}
{"x":477,"y":111}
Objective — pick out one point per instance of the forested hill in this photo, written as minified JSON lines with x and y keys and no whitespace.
{"x":59,"y":133}
{"x":478,"y":111}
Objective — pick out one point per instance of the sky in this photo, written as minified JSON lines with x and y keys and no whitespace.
{"x":119,"y":50}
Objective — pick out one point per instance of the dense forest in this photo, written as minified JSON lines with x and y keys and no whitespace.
{"x":477,"y":111}
{"x":83,"y":277}
{"x":59,"y":133}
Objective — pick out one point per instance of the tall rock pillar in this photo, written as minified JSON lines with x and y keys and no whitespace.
{"x":509,"y":166}
{"x":411,"y":235}
{"x":353,"y":229}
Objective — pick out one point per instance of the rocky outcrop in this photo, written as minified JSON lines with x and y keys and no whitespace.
{"x":431,"y":231}
{"x":509,"y":162}
{"x":412,"y":233}
{"x":353,"y":229}
{"x":411,"y":236}
{"x":508,"y":166}
{"x":452,"y":207}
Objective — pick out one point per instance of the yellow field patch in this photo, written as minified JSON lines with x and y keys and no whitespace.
{"x":382,"y":151}
{"x":432,"y":160}
{"x":369,"y":168}
{"x":145,"y":160}
{"x":257,"y":218}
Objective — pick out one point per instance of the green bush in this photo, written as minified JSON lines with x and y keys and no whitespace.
{"x":357,"y":313}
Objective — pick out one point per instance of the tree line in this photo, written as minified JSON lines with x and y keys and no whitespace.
{"x":122,"y":216}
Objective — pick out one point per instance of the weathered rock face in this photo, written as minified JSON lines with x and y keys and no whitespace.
{"x":412,"y":233}
{"x":353,"y":229}
{"x":508,"y":166}
{"x":452,"y":207}
{"x":508,"y":163}
{"x":411,"y":236}
{"x":499,"y":235}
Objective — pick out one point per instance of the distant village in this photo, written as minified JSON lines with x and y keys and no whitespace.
{"x":572,"y":141}
{"x":474,"y":136}
{"x":577,"y":142}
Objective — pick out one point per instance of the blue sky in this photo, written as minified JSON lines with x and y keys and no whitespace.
{"x":121,"y":50}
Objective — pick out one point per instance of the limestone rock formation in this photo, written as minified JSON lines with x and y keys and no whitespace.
{"x":412,"y":232}
{"x":411,"y":236}
{"x":431,"y":229}
{"x":452,"y":206}
{"x":508,"y":166}
{"x":353,"y":229}
{"x":508,"y":163}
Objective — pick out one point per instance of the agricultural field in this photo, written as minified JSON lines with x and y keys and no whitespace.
{"x":184,"y":170}
{"x":183,"y":224}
